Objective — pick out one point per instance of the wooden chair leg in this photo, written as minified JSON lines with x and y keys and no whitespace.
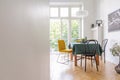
{"x":91,"y":62}
{"x":81,"y":60}
{"x":101,"y":57}
{"x":85,"y":63}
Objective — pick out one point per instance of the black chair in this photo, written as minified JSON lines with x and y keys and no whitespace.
{"x":90,"y":51}
{"x":104,"y":43}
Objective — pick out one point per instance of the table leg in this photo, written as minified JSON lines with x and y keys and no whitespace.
{"x":97,"y":59}
{"x":71,"y":56}
{"x":75,"y":58}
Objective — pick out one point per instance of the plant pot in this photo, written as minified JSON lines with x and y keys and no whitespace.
{"x":117,"y":68}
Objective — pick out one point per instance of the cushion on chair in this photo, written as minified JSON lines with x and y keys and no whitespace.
{"x":66,"y":50}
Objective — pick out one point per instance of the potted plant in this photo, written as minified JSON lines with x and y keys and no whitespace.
{"x":116,"y":52}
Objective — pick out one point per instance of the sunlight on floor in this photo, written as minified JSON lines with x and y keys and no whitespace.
{"x":70,"y":72}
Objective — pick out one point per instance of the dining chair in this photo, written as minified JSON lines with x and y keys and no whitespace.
{"x":104,"y":43}
{"x":63,"y":50}
{"x":90,"y":48}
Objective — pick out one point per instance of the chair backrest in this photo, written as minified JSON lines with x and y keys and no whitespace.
{"x":91,"y":47}
{"x":104,"y":43}
{"x":61,"y":45}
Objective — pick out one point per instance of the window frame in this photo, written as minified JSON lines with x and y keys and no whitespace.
{"x":70,"y":18}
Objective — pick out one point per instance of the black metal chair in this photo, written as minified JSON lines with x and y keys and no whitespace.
{"x":90,"y":51}
{"x":104,"y":43}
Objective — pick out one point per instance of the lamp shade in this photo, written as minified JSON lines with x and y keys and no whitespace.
{"x":82,"y":13}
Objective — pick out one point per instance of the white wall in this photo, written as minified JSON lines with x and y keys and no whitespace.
{"x":105,"y":7}
{"x":90,"y":19}
{"x":24,"y":40}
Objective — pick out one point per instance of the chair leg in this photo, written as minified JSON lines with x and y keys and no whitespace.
{"x":85,"y":63}
{"x":64,"y":59}
{"x":66,"y":56}
{"x":81,"y":60}
{"x":96,"y":63}
{"x":58,"y":57}
{"x":104,"y":57}
{"x":101,"y":57}
{"x":91,"y":62}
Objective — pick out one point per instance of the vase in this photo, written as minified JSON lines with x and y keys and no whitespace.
{"x":117,"y":68}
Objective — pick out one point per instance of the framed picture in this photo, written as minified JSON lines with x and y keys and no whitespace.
{"x":114,"y":21}
{"x":98,"y":21}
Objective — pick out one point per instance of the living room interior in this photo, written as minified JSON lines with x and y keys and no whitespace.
{"x":98,"y":11}
{"x":25,"y":49}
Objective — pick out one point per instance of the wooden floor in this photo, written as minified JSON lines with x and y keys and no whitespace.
{"x":70,"y":72}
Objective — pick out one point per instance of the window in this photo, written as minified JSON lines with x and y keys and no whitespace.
{"x":75,"y":29}
{"x":63,"y":12}
{"x":54,"y":12}
{"x":74,"y":10}
{"x":55,"y":32}
{"x":64,"y":24}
